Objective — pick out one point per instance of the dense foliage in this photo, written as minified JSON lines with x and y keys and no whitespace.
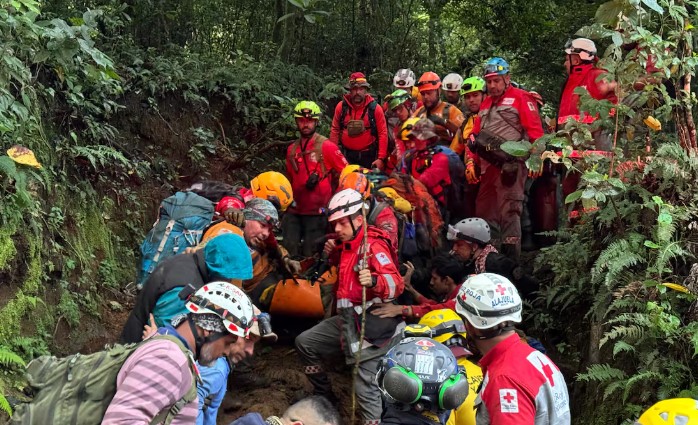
{"x":120,"y":102}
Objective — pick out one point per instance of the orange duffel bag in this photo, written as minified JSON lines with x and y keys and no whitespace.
{"x":301,"y":297}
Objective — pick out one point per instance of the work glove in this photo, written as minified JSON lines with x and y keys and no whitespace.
{"x":471,"y":173}
{"x":365,"y":278}
{"x":329,"y":247}
{"x":234,"y":216}
{"x":293,"y":266}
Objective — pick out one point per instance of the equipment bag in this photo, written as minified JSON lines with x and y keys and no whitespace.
{"x":77,"y":390}
{"x":301,"y":297}
{"x":180,"y":224}
{"x":455,"y":192}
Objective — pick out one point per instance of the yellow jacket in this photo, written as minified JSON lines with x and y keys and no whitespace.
{"x":459,"y":140}
{"x":465,"y":413}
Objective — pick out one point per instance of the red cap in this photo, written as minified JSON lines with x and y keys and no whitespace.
{"x":229,"y":202}
{"x":357,"y":79}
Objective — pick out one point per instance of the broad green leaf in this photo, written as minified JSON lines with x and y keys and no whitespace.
{"x":694,"y":340}
{"x":310,"y":18}
{"x":286,"y":16}
{"x":650,"y":244}
{"x":518,"y":149}
{"x":297,"y":3}
{"x":652,"y":4}
{"x":608,"y":12}
{"x":664,"y":218}
{"x":573,"y":196}
{"x":617,"y":38}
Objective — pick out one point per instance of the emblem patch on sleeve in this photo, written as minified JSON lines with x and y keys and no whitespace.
{"x":508,"y":400}
{"x":383,"y":259}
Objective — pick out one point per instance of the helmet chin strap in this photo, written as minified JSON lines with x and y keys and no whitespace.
{"x":200,"y":340}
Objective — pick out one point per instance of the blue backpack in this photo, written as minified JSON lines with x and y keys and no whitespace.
{"x":182,"y":219}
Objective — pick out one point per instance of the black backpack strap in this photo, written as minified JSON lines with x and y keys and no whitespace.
{"x":342,"y":117}
{"x":372,"y":118}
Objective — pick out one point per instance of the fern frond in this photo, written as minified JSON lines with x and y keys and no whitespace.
{"x":632,"y":333}
{"x":601,"y":373}
{"x":622,"y":346}
{"x":10,"y":359}
{"x":5,"y":405}
{"x":612,"y":388}
{"x":646,"y":378}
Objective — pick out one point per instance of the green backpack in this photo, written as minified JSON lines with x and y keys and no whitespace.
{"x":78,"y":389}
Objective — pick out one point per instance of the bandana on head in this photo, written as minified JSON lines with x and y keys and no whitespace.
{"x":209,"y":322}
{"x":260,"y":210}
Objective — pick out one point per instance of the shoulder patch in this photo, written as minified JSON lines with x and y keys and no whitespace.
{"x":531,"y":106}
{"x":508,"y":400}
{"x":508,"y":101}
{"x":383,"y":259}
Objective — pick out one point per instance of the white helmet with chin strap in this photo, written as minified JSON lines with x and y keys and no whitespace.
{"x":345,"y":203}
{"x":404,"y":78}
{"x":470,"y":229}
{"x":487,"y":300}
{"x":452,"y":82}
{"x":585,"y":48}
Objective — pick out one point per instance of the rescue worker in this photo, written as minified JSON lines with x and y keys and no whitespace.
{"x":312,"y":164}
{"x":359,"y":127}
{"x":404,"y":79}
{"x":452,"y":86}
{"x":447,"y":117}
{"x":473,"y":92}
{"x":364,"y":260}
{"x":428,"y":163}
{"x":507,"y":113}
{"x":399,"y":107}
{"x":448,"y":328}
{"x":580,"y":65}
{"x":523,"y":386}
{"x":313,"y":410}
{"x":420,"y":382}
{"x":447,"y":274}
{"x":224,"y":257}
{"x":380,"y":214}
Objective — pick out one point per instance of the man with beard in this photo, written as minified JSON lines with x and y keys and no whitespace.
{"x":359,"y":126}
{"x":447,"y":117}
{"x":313,"y":164}
{"x":160,"y":374}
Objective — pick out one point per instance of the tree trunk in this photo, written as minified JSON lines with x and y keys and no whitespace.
{"x":683,"y":116}
{"x":595,"y":332}
{"x":276,"y":35}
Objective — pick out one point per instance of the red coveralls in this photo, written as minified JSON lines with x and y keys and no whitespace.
{"x":434,"y":172}
{"x":585,"y":75}
{"x":512,"y":116}
{"x":361,"y":149}
{"x":304,"y":220}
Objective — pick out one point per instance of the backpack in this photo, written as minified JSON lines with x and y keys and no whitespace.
{"x":183,"y":217}
{"x":455,"y":192}
{"x":77,"y":390}
{"x":370,"y":109}
{"x":318,"y":140}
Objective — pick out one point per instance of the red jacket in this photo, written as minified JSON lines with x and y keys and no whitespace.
{"x":584,"y":75}
{"x":382,"y":261}
{"x":434,"y":174}
{"x":387,"y":222}
{"x":304,"y":156}
{"x":425,"y":305}
{"x":364,"y":140}
{"x":521,"y":386}
{"x":512,"y":116}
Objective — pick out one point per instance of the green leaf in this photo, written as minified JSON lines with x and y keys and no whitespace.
{"x":617,"y":38}
{"x":518,"y":149}
{"x":608,"y":12}
{"x":694,"y":340}
{"x":573,"y":196}
{"x":664,"y":218}
{"x":310,"y":18}
{"x":286,"y":16}
{"x":650,"y":244}
{"x":652,"y":4}
{"x":297,"y":3}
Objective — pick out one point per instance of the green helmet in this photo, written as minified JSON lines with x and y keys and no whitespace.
{"x":307,"y":109}
{"x":397,"y":98}
{"x":472,"y":84}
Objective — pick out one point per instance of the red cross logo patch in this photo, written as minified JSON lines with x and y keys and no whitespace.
{"x":508,"y":400}
{"x":501,"y":289}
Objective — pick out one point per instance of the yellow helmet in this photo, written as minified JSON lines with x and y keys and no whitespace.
{"x":351,"y":168}
{"x":274,"y":187}
{"x":444,"y":323}
{"x":672,"y":411}
{"x":399,"y":203}
{"x":406,"y":128}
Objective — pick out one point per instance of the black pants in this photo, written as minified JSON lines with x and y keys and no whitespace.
{"x":302,"y":233}
{"x":363,"y":158}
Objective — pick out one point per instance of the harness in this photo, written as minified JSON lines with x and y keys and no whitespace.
{"x":370,"y":109}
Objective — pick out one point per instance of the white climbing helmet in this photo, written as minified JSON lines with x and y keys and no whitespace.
{"x":470,"y":229}
{"x":488,"y":299}
{"x":452,"y":82}
{"x":585,"y":48}
{"x":345,"y":203}
{"x":228,"y":302}
{"x":404,"y":78}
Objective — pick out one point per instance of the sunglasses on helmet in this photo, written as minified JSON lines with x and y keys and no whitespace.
{"x":492,"y":68}
{"x":451,"y":86}
{"x":423,"y":83}
{"x":307,"y":113}
{"x":402,"y":83}
{"x":568,"y":46}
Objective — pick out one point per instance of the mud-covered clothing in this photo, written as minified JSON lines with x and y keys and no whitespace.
{"x":465,"y":413}
{"x":305,"y":158}
{"x":364,"y":141}
{"x":173,"y":273}
{"x":521,"y":385}
{"x":424,"y":305}
{"x":382,"y":261}
{"x":512,"y":116}
{"x":449,"y":113}
{"x":383,"y":217}
{"x":431,"y":169}
{"x":152,"y":380}
{"x":584,"y":75}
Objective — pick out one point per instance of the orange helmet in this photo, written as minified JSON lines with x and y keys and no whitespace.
{"x":273,"y":187}
{"x":429,"y":81}
{"x":357,"y":181}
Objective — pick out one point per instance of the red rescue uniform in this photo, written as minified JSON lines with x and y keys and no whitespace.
{"x":364,"y":141}
{"x":432,"y":170}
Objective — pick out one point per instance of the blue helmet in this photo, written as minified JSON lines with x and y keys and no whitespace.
{"x":496,"y":66}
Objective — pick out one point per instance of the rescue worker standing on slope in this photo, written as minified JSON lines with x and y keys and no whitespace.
{"x":507,"y":113}
{"x":359,"y":127}
{"x":312,"y":164}
{"x":446,"y":116}
{"x":377,"y":271}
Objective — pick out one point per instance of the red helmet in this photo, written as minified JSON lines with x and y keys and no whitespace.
{"x":429,"y":81}
{"x":229,"y":202}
